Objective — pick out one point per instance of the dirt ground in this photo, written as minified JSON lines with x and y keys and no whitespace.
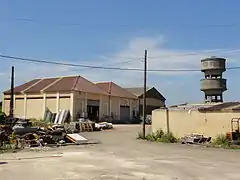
{"x":121,"y":156}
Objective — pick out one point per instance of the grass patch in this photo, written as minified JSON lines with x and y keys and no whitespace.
{"x":221,"y":141}
{"x":159,"y":136}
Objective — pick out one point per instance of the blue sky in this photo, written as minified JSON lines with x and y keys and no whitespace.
{"x":109,"y":32}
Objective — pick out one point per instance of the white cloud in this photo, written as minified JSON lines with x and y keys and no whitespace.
{"x":132,"y":55}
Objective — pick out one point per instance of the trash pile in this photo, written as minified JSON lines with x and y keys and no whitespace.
{"x":195,"y":139}
{"x":22,"y":134}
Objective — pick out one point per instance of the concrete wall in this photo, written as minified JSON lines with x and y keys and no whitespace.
{"x":51,"y":104}
{"x":6,"y":106}
{"x":34,"y":105}
{"x":20,"y":110}
{"x":34,"y":109}
{"x":181,"y":123}
{"x":115,"y":107}
{"x":104,"y":103}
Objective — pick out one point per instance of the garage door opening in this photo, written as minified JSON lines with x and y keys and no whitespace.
{"x":124,"y":113}
{"x":93,"y":110}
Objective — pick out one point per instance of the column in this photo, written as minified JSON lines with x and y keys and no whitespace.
{"x":119,"y":104}
{"x":101,"y":108}
{"x":85,"y":102}
{"x":131,"y":103}
{"x":72,"y":106}
{"x":109,"y":106}
{"x":25,"y":106}
{"x":57,"y":103}
{"x":44,"y":103}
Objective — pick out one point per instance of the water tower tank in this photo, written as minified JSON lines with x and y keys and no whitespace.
{"x":213,"y":85}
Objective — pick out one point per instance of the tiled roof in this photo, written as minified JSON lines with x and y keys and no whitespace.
{"x":62,"y":84}
{"x":85,"y":85}
{"x":116,"y":90}
{"x":40,"y":85}
{"x":20,"y":88}
{"x":76,"y":83}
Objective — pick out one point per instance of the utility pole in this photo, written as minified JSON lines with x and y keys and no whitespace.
{"x":144,"y":93}
{"x":11,"y":113}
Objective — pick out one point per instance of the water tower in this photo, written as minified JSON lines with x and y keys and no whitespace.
{"x":213,"y":85}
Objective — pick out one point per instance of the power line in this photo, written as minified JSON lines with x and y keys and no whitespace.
{"x":66,"y":64}
{"x":113,"y":64}
{"x":30,"y":20}
{"x":196,"y":53}
{"x":103,"y":67}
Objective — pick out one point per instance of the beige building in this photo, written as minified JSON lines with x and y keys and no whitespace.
{"x":154,"y":99}
{"x":206,"y":119}
{"x":75,"y":93}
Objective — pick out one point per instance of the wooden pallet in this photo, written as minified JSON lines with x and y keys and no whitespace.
{"x":86,"y":127}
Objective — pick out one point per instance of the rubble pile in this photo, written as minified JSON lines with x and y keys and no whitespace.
{"x":22,"y":133}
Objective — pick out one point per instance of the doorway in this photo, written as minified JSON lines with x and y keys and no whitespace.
{"x":93,"y":110}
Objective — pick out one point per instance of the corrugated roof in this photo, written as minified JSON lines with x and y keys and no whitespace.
{"x":222,"y":106}
{"x":187,"y":107}
{"x":226,"y":106}
{"x":116,"y":90}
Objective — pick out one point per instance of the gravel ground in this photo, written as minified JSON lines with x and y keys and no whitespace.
{"x":121,"y":156}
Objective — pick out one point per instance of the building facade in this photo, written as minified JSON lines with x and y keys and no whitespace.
{"x":76,"y":94}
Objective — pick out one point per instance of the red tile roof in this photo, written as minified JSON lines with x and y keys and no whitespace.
{"x":84,"y":85}
{"x":116,"y":90}
{"x":20,"y":88}
{"x":76,"y":83}
{"x":40,"y":85}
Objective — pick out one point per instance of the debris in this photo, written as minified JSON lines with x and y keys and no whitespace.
{"x":54,"y":130}
{"x":195,"y":139}
{"x":103,"y":125}
{"x":76,"y":138}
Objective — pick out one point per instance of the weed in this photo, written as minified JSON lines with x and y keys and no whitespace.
{"x":159,"y":136}
{"x":221,"y":140}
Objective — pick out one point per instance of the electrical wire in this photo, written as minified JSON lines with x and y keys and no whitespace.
{"x":30,"y":20}
{"x":195,"y":53}
{"x":102,"y":67}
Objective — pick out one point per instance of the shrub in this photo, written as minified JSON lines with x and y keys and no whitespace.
{"x":159,"y":136}
{"x":221,"y":140}
{"x":168,"y":138}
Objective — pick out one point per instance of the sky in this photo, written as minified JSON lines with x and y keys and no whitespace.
{"x":177,"y":35}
